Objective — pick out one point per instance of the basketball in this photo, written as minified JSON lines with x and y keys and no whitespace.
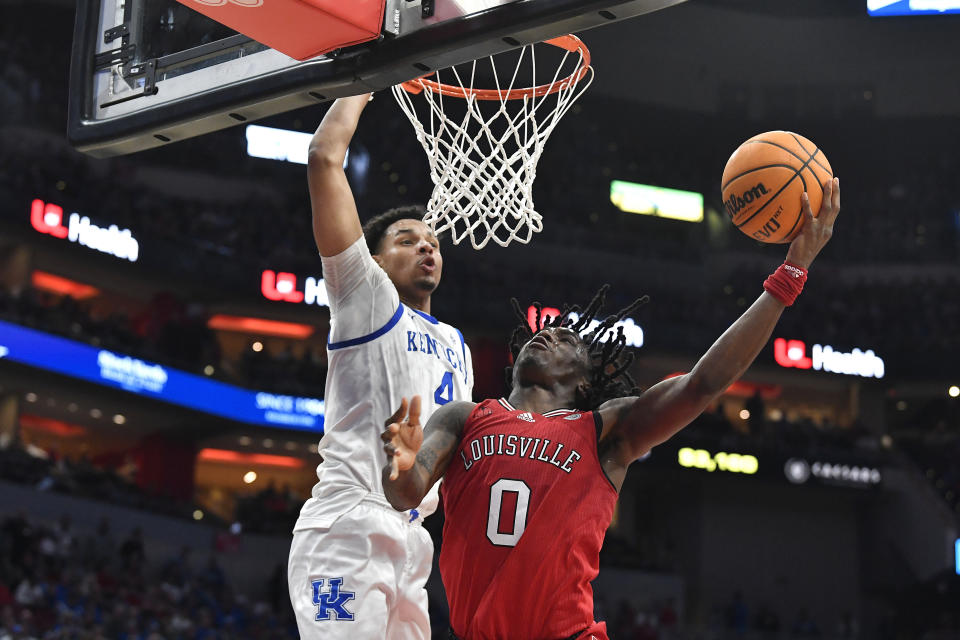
{"x":763,"y":182}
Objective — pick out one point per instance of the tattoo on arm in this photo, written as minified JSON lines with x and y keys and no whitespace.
{"x":427,"y":459}
{"x":441,"y":437}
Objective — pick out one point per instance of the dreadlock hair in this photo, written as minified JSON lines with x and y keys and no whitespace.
{"x":376,"y":227}
{"x":609,"y":359}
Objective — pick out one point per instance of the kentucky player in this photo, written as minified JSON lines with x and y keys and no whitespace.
{"x":530,"y":482}
{"x":357,"y":567}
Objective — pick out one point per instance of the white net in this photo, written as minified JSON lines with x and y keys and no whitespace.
{"x":483,"y":158}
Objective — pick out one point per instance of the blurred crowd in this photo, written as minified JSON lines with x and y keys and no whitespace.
{"x":926,"y":613}
{"x":733,"y":619}
{"x":273,"y":510}
{"x":773,"y":431}
{"x":930,"y":434}
{"x":82,"y":478}
{"x":57,"y":583}
{"x":60,"y":583}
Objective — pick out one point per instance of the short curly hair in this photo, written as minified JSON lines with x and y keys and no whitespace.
{"x":375,"y":228}
{"x":609,"y":360}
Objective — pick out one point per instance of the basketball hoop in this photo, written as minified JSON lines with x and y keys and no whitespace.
{"x":483,"y":164}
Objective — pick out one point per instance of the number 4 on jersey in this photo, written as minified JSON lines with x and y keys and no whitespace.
{"x":444,"y":392}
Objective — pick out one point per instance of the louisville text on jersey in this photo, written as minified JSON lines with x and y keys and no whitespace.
{"x":502,"y":444}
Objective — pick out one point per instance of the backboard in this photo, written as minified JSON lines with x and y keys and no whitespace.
{"x":146,"y":73}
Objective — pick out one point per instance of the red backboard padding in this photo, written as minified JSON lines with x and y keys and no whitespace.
{"x":301,"y":29}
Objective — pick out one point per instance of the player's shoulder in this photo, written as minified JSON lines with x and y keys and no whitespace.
{"x":486,"y":408}
{"x":453,"y":416}
{"x":568,"y":414}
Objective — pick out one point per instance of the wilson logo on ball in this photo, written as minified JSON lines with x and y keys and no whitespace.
{"x":735,"y":204}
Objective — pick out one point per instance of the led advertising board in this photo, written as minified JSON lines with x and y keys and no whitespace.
{"x":657,"y":201}
{"x":793,"y":354}
{"x":48,"y":218}
{"x":282,"y":287}
{"x":148,"y":379}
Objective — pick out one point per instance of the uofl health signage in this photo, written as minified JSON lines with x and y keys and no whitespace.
{"x":283,"y":287}
{"x":48,"y":218}
{"x":793,"y":354}
{"x":631,"y":330}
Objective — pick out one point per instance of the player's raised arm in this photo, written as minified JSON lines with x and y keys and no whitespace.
{"x":416,"y":457}
{"x":645,"y":421}
{"x":336,"y":224}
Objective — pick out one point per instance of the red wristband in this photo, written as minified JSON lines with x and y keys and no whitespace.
{"x":786,"y":283}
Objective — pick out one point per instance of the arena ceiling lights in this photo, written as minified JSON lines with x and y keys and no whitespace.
{"x":62,"y":286}
{"x":262,"y":459}
{"x":260,"y":326}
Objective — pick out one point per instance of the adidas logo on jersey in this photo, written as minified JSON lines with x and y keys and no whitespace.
{"x":527,"y":416}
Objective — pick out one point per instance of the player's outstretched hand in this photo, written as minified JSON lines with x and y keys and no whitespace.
{"x":817,"y":230}
{"x":403,"y":437}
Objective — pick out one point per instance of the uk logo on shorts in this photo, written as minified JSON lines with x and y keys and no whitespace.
{"x":332,"y":602}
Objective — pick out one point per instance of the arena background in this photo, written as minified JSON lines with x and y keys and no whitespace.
{"x":125,"y":516}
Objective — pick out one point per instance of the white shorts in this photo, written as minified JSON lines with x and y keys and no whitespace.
{"x":363,"y":578}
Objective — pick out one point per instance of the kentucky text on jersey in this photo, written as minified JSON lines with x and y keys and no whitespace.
{"x":426,"y":344}
{"x":521,"y":447}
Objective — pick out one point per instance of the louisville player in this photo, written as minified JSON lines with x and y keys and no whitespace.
{"x":530,"y":482}
{"x":357,"y":568}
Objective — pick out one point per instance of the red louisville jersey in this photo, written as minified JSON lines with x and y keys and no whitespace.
{"x":527,"y":505}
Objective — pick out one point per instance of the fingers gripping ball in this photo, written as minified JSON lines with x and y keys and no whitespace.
{"x":764,"y":179}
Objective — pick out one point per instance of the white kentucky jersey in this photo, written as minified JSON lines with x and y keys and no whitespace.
{"x":379,"y":351}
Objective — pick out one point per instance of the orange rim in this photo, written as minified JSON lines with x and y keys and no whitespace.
{"x":569,"y":43}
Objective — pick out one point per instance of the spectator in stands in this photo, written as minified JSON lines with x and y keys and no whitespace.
{"x":804,"y":626}
{"x":847,"y":626}
{"x":767,"y":620}
{"x":737,"y":614}
{"x":132,"y":552}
